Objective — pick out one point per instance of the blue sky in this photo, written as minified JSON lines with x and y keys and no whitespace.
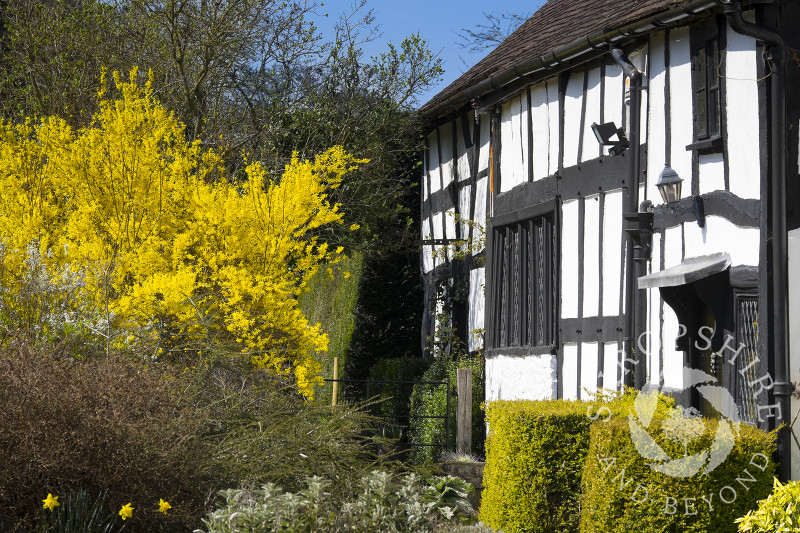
{"x":437,"y":21}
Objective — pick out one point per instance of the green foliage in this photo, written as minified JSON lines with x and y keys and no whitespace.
{"x":330,"y":301}
{"x":144,"y":433}
{"x":779,"y":512}
{"x":253,"y":76}
{"x":611,"y":503}
{"x":430,"y":400}
{"x":394,"y":399}
{"x":385,"y":503}
{"x":382,"y":330}
{"x":79,"y":513}
{"x":535,"y":455}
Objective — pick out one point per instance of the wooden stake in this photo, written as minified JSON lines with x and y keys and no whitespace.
{"x":464,"y":411}
{"x":335,"y":395}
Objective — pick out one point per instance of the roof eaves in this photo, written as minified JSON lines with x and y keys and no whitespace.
{"x":644,"y":22}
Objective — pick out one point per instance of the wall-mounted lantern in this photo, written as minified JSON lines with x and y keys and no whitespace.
{"x":669,"y":185}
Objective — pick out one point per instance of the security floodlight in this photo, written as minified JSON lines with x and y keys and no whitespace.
{"x":605,"y":134}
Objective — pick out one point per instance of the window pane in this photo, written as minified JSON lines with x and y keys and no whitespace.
{"x":699,"y":81}
{"x":515,"y":298}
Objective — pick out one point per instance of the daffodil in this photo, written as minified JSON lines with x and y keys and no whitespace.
{"x":51,"y":502}
{"x":163,"y":506}
{"x":126,"y":511}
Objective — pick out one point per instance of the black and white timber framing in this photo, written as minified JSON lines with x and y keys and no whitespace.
{"x":525,"y":157}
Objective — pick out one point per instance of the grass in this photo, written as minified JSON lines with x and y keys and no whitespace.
{"x":332,"y":303}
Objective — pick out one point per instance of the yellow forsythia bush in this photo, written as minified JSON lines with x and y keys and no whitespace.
{"x":169,"y":247}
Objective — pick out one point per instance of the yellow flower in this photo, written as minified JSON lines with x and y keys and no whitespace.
{"x":126,"y":511}
{"x":51,"y":502}
{"x":163,"y":506}
{"x":354,"y":227}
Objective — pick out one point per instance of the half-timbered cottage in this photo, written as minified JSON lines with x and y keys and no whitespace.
{"x":547,"y":220}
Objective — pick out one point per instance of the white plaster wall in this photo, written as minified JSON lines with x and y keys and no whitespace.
{"x":450,"y":230}
{"x":555,"y":124}
{"x":427,"y":251}
{"x":612,"y":97}
{"x":446,"y":156}
{"x":462,"y":161}
{"x":712,"y":173}
{"x":480,"y":214}
{"x":612,"y":250}
{"x":477,"y":306}
{"x":436,"y":221}
{"x":611,"y":366}
{"x":681,"y":106}
{"x":433,"y":157}
{"x":464,"y":200}
{"x":514,"y":143}
{"x":569,"y":372}
{"x":673,"y":246}
{"x":742,"y":115}
{"x":673,"y":359}
{"x":590,"y":366}
{"x":591,"y":148}
{"x":794,"y":333}
{"x":720,"y":235}
{"x":521,"y":378}
{"x":591,"y":256}
{"x":572,"y":118}
{"x":657,"y":133}
{"x":424,"y":177}
{"x":569,"y":259}
{"x":640,"y":59}
{"x":483,"y":155}
{"x":653,"y":316}
{"x":545,"y":129}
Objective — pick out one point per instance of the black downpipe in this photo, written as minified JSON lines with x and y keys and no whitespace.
{"x":776,"y":234}
{"x":634,"y":365}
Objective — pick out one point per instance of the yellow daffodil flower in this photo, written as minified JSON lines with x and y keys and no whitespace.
{"x":163,"y":506}
{"x":51,"y":502}
{"x":126,"y":511}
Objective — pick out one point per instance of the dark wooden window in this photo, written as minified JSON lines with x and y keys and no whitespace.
{"x":706,"y":88}
{"x":523,"y":283}
{"x":746,"y":372}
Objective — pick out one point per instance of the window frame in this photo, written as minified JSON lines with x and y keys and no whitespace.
{"x":707,"y":86}
{"x":527,"y":324}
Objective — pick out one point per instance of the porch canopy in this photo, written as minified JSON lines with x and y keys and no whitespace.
{"x":691,"y":270}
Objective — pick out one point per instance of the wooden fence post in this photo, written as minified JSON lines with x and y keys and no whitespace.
{"x":335,"y":395}
{"x":464,"y":411}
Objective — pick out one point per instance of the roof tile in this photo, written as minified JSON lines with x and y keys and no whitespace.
{"x":555,"y":24}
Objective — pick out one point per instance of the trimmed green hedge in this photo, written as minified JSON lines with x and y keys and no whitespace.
{"x":622,"y":493}
{"x":534,"y":457}
{"x":564,"y":466}
{"x":535,"y":454}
